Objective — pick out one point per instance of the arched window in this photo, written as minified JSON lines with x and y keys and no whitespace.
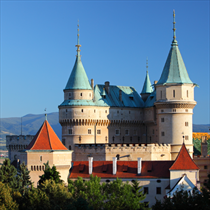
{"x":174,"y":93}
{"x":37,"y":168}
{"x":113,"y":138}
{"x":32,"y":168}
{"x":187,"y":94}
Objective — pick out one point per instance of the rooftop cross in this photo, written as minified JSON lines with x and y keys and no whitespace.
{"x":174,"y":29}
{"x":78,"y":45}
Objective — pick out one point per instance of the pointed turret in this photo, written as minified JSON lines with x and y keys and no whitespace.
{"x":147,"y":88}
{"x":78,"y":78}
{"x":174,"y":70}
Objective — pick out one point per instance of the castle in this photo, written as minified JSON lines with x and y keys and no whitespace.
{"x":110,"y":114}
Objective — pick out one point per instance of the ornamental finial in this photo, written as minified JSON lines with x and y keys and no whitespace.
{"x":174,"y":29}
{"x":147,"y":65}
{"x":78,"y":45}
{"x":45,"y":113}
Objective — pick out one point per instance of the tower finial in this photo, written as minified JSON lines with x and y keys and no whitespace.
{"x":78,"y":45}
{"x":45,"y":113}
{"x":147,"y":64}
{"x":174,"y":29}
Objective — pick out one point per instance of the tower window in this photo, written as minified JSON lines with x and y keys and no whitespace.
{"x":98,"y":131}
{"x":162,"y":110}
{"x":186,"y":123}
{"x":94,"y":111}
{"x":70,"y":131}
{"x":126,"y":132}
{"x":81,"y":110}
{"x":162,"y":119}
{"x":113,"y":138}
{"x":205,"y":167}
{"x":162,"y":133}
{"x":146,"y":190}
{"x":187,"y":94}
{"x":80,"y":138}
{"x":117,"y":132}
{"x":89,"y":131}
{"x":186,"y":138}
{"x":123,"y":138}
{"x":106,"y":138}
{"x":105,"y":111}
{"x":174,"y":93}
{"x":32,"y":168}
{"x":40,"y":158}
{"x":69,"y":147}
{"x":80,"y":94}
{"x":158,"y":190}
{"x":138,"y":138}
{"x":131,"y":138}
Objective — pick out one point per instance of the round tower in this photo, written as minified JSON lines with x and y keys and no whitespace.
{"x":175,"y":102}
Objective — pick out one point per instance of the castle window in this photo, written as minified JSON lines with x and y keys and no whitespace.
{"x":174,"y":93}
{"x":161,"y":94}
{"x":42,"y":168}
{"x":40,"y":158}
{"x":66,"y":110}
{"x":98,"y":132}
{"x":81,"y":110}
{"x":150,"y":138}
{"x":37,"y":168}
{"x":138,"y":138}
{"x":80,"y":138}
{"x":69,"y":147}
{"x":70,"y":131}
{"x":106,"y":138}
{"x":105,"y":111}
{"x":90,"y":94}
{"x":186,"y":123}
{"x":117,"y":132}
{"x":186,"y":138}
{"x":32,"y":168}
{"x":113,"y":138}
{"x":162,"y":119}
{"x":64,"y":141}
{"x":94,"y":111}
{"x":162,"y":110}
{"x":146,"y":190}
{"x":131,"y":138}
{"x":162,"y":133}
{"x":174,"y":110}
{"x":187,"y":94}
{"x":127,"y":132}
{"x":158,"y":190}
{"x":89,"y":131}
{"x":205,"y":167}
{"x":117,"y":112}
{"x":186,"y":110}
{"x":80,"y":94}
{"x":129,"y":112}
{"x":123,"y":138}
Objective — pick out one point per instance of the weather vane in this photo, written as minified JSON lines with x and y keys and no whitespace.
{"x":78,"y":45}
{"x":45,"y":113}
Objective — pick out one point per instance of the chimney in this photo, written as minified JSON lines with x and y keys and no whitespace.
{"x":120,"y":95}
{"x":114,"y":165}
{"x":92,"y":83}
{"x":107,"y":87}
{"x":139,"y":166}
{"x":90,"y":159}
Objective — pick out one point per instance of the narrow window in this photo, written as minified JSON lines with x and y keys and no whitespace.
{"x":42,"y":168}
{"x":70,"y":131}
{"x":162,"y":133}
{"x":162,"y":110}
{"x":186,"y":110}
{"x":37,"y":168}
{"x":126,"y":132}
{"x":105,"y":111}
{"x":138,"y":138}
{"x":205,"y":167}
{"x":123,"y":138}
{"x":80,"y":138}
{"x":174,"y":93}
{"x":113,"y":138}
{"x":162,"y":119}
{"x":89,"y":131}
{"x":80,"y":94}
{"x":94,"y":111}
{"x":41,"y":158}
{"x":187,"y":94}
{"x":90,"y":94}
{"x":158,"y":190}
{"x":186,"y":123}
{"x":81,"y":110}
{"x":146,"y":190}
{"x":32,"y":168}
{"x":117,"y":132}
{"x":186,"y":138}
{"x":161,"y":94}
{"x":98,"y":131}
{"x":69,"y":147}
{"x":117,"y":112}
{"x":106,"y":138}
{"x":131,"y":138}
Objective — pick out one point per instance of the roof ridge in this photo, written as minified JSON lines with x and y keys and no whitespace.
{"x":48,"y":134}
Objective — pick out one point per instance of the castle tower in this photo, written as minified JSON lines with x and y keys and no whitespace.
{"x":175,"y":102}
{"x":147,"y":88}
{"x":78,"y":94}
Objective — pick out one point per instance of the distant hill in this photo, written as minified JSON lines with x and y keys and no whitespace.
{"x":31,"y":124}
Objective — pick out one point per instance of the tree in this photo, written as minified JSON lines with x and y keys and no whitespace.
{"x":50,"y":173}
{"x":24,"y":178}
{"x":6,"y":200}
{"x":8,"y":174}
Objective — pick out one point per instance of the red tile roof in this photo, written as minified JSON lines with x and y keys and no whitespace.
{"x":103,"y":169}
{"x":184,"y":161}
{"x":46,"y":139}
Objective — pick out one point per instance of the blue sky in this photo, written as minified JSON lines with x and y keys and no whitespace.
{"x":38,"y":50}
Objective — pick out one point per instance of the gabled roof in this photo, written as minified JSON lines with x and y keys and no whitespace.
{"x":184,"y":161}
{"x":147,"y":88}
{"x":130,"y":98}
{"x":184,"y":184}
{"x":125,"y":169}
{"x":78,"y":78}
{"x":46,"y":139}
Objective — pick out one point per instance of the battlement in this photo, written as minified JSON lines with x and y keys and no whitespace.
{"x":13,"y":138}
{"x":128,"y":151}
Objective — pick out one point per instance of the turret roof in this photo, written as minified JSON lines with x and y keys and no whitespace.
{"x":147,"y":88}
{"x":46,"y":139}
{"x":78,"y":78}
{"x":184,"y":161}
{"x":174,"y":70}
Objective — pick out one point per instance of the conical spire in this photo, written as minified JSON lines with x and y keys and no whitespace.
{"x":174,"y":70}
{"x":147,"y":88}
{"x":78,"y":78}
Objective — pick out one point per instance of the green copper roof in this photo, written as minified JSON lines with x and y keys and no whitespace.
{"x":147,"y":88}
{"x":174,"y":70}
{"x":78,"y":78}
